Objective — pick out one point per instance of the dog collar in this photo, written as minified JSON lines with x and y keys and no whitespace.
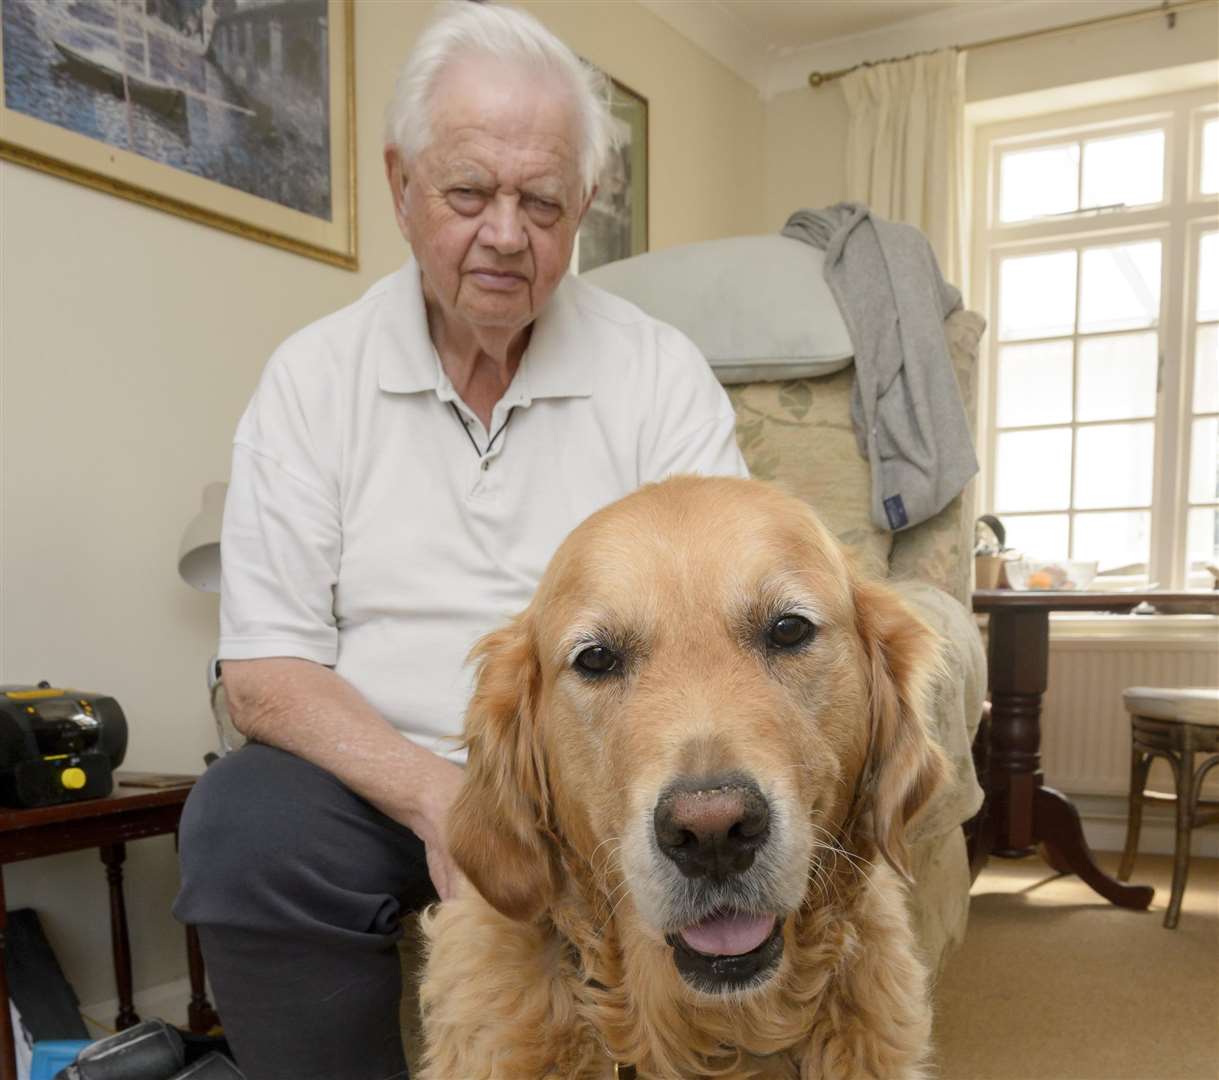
{"x":622,"y":1070}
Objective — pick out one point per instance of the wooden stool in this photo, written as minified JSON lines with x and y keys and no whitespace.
{"x":1176,"y":725}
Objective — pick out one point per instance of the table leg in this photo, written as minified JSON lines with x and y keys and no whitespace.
{"x":8,"y":1045}
{"x":1062,"y":833}
{"x":200,"y":1014}
{"x":113,"y":856}
{"x":1025,"y":812}
{"x":1019,"y":663}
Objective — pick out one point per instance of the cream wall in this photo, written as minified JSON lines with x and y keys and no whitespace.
{"x":806,"y":129}
{"x":131,"y":341}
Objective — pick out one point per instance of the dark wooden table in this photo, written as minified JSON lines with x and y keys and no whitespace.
{"x":130,"y":813}
{"x":1021,"y":812}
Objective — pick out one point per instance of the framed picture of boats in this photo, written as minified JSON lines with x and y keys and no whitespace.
{"x":616,"y":225}
{"x":239,"y":114}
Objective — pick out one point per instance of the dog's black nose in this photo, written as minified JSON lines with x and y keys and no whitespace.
{"x":711,"y":828}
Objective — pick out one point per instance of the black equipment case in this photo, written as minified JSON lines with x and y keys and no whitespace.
{"x":58,"y":745}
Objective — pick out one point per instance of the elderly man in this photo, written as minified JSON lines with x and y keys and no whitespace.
{"x":400,"y":479}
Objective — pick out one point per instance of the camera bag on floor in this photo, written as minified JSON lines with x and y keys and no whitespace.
{"x":153,"y":1050}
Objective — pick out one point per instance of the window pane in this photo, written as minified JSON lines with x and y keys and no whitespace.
{"x":1113,"y":465}
{"x":1125,"y":169}
{"x":1204,"y":461}
{"x":1121,"y":287}
{"x":1033,"y":470}
{"x":1117,"y":376}
{"x":1208,"y":277}
{"x":1037,"y":182}
{"x":1202,"y":541}
{"x":1038,"y":536}
{"x":1035,"y":384}
{"x":1210,"y":157}
{"x":1037,"y":295}
{"x":1206,"y":369}
{"x":1114,"y":540}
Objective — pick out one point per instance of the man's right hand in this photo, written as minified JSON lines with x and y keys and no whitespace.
{"x":312,"y":712}
{"x":430,"y":823}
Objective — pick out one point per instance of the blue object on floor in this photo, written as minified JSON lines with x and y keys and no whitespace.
{"x":51,"y":1055}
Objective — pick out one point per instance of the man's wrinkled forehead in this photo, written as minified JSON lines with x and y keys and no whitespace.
{"x":489,"y":104}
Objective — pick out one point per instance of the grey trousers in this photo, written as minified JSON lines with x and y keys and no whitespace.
{"x":297,"y":887}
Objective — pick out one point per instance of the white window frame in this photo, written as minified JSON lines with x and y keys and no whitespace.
{"x":1177,"y":221}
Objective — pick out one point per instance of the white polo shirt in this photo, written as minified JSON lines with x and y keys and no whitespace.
{"x":364,"y":529}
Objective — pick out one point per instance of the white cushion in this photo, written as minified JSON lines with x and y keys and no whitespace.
{"x":1189,"y":706}
{"x":757,"y":307}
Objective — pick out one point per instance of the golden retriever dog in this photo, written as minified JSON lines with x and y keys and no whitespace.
{"x":691,"y":763}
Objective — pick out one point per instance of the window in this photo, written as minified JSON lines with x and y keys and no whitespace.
{"x":1202,"y":496}
{"x":1096,"y":256}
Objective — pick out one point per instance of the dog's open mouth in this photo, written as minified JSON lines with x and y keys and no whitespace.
{"x":727,"y":950}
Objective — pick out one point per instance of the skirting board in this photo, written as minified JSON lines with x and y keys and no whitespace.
{"x":1104,"y":818}
{"x":168,"y":1001}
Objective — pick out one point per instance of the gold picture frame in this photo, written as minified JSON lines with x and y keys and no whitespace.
{"x":242,"y":117}
{"x":616,"y":225}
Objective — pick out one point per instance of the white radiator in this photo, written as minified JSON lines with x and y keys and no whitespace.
{"x":1085,"y":731}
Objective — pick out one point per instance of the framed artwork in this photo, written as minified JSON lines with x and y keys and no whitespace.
{"x":616,"y":225}
{"x":239,"y":114}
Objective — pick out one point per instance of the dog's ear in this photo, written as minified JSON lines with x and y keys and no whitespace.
{"x":904,"y":763}
{"x":498,"y":828}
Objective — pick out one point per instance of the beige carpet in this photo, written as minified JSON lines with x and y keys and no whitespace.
{"x":1053,"y":983}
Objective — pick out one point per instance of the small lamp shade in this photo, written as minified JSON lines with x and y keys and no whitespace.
{"x":199,"y":552}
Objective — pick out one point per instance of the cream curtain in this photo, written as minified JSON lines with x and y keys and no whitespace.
{"x":905,"y":148}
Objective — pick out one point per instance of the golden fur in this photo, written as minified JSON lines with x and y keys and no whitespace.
{"x":553,"y":965}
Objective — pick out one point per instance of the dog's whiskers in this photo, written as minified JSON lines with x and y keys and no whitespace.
{"x":820,"y":878}
{"x":602,"y":873}
{"x":826,"y":877}
{"x":608,"y":898}
{"x":608,"y":840}
{"x":835,"y":845}
{"x":617,"y":904}
{"x":623,"y":888}
{"x":834,"y":848}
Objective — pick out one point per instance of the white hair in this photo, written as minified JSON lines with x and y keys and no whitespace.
{"x":462,"y":28}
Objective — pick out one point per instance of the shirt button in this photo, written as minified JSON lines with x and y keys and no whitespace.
{"x":486,"y":465}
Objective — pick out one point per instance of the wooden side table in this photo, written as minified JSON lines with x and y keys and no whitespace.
{"x":130,"y":813}
{"x":1021,"y":812}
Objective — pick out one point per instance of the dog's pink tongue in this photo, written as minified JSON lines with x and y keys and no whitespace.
{"x":729,"y":935}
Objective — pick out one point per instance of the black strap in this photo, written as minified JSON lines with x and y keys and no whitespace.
{"x":623,"y":1072}
{"x":466,"y":429}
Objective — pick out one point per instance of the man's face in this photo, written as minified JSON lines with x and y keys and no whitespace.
{"x":492,"y":206}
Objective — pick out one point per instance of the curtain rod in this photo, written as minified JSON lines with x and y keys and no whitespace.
{"x":1168,"y":10}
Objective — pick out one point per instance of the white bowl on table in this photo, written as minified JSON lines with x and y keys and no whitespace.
{"x":1049,"y":574}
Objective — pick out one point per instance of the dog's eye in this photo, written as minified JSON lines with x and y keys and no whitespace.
{"x":596,"y":660}
{"x":787,"y":631}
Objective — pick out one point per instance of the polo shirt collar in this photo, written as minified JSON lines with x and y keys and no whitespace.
{"x":556,"y":361}
{"x":554,"y":365}
{"x":407,"y":361}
